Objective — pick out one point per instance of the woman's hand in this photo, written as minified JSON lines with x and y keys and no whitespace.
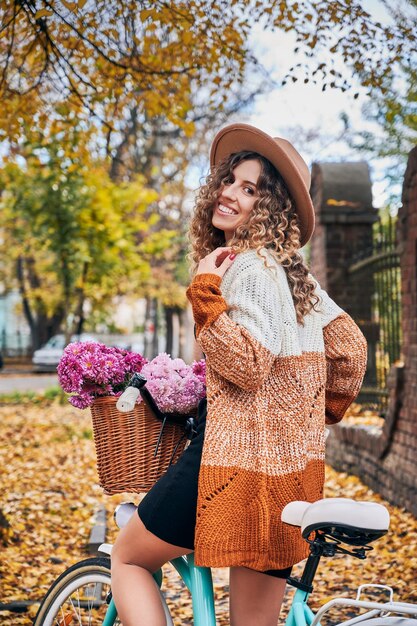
{"x":217,"y":262}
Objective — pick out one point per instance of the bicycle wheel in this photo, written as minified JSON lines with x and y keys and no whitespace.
{"x":79,"y":596}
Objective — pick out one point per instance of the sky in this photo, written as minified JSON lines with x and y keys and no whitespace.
{"x":305,"y":106}
{"x":299,"y":103}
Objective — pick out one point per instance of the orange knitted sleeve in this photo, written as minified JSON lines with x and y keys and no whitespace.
{"x":346,"y":356}
{"x":206,"y":299}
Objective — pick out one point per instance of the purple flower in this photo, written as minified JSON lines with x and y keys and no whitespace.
{"x":82,"y":401}
{"x":90,"y":369}
{"x":134,"y":362}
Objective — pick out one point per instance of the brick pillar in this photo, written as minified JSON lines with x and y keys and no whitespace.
{"x":342,"y":196}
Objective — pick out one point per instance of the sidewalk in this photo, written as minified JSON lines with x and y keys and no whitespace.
{"x":23,"y":379}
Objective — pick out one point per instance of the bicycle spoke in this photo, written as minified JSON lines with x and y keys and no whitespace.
{"x":94,"y":596}
{"x":77,"y":614}
{"x":64,"y":620}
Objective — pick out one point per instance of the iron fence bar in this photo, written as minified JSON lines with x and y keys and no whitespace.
{"x":379,"y":270}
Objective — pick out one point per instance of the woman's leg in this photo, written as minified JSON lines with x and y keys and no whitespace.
{"x":255,"y":598}
{"x":136,"y":554}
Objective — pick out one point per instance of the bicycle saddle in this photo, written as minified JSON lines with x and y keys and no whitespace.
{"x":349,"y":521}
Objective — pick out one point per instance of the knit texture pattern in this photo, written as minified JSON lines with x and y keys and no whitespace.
{"x":271,"y":386}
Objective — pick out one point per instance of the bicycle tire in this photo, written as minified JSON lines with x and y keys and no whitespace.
{"x":63,"y":602}
{"x":54,"y":611}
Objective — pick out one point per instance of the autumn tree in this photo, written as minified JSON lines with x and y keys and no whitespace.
{"x":68,"y":235}
{"x":119,"y":65}
{"x":124,"y":75}
{"x":106,"y":56}
{"x":122,"y":66}
{"x":107,"y":53}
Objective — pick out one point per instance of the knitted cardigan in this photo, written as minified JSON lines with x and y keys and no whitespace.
{"x":271,"y":386}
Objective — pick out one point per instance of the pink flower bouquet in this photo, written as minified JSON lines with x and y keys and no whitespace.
{"x":90,"y":369}
{"x":176,"y":387}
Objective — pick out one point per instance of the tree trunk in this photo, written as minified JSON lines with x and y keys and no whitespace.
{"x":169,"y":324}
{"x":22,"y":288}
{"x":119,"y":163}
{"x":184,"y":340}
{"x":79,"y":313}
{"x":155,"y":338}
{"x":146,"y":332}
{"x":41,"y":326}
{"x":80,"y":324}
{"x":188,"y":346}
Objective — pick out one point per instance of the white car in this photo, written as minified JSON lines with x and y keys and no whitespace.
{"x":47,"y":358}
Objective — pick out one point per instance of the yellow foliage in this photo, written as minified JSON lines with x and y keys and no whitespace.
{"x":153,"y":58}
{"x":71,"y":6}
{"x":42,"y":13}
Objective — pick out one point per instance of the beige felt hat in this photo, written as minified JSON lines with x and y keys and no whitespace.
{"x":284,"y":157}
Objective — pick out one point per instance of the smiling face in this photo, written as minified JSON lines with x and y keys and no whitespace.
{"x":237,"y":197}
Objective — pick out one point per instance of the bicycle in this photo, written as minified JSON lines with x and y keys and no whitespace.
{"x":82,"y":594}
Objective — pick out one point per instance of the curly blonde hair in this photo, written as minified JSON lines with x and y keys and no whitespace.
{"x":273,"y":224}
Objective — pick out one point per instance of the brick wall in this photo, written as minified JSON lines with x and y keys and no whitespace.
{"x":387,"y":459}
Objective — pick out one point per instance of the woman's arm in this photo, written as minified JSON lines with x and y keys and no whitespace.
{"x":345,"y":349}
{"x":346,"y":356}
{"x":242,"y":352}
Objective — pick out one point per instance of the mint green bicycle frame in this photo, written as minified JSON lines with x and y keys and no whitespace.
{"x":300,"y":613}
{"x":198,"y":581}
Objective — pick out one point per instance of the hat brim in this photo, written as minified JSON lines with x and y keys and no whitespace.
{"x":238,"y":137}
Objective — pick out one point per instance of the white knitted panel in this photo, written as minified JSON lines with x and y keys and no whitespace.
{"x":261,"y":301}
{"x":249,"y":289}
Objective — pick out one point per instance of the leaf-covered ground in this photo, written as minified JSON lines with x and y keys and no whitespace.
{"x":49,"y":494}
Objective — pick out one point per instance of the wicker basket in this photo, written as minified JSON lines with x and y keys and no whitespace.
{"x":125,"y":446}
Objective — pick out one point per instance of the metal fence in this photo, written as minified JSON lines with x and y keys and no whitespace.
{"x":378,"y":270}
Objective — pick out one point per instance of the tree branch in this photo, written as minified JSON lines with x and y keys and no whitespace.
{"x":143,"y":68}
{"x":10,"y":47}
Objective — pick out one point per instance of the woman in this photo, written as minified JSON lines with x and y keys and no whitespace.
{"x":282,"y":359}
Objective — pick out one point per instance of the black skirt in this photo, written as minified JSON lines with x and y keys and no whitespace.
{"x":169,"y":509}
